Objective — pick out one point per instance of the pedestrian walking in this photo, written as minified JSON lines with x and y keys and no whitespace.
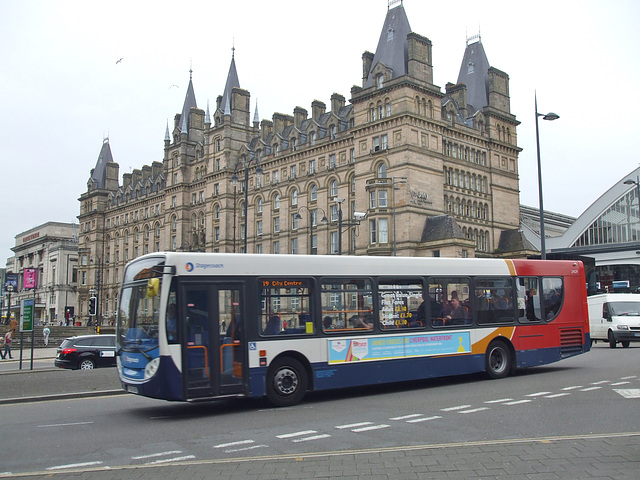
{"x":7,"y":345}
{"x":45,"y":334}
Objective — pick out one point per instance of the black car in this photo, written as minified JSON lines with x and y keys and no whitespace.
{"x":86,"y":352}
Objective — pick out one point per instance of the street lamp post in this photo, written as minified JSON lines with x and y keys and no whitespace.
{"x":635,"y":182}
{"x":395,"y":181}
{"x":311,"y":219}
{"x":548,"y":116}
{"x":234,"y":181}
{"x":342,"y":223}
{"x":9,"y":289}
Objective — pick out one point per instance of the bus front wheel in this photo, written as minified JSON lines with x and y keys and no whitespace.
{"x":498,"y":360}
{"x":287,"y":382}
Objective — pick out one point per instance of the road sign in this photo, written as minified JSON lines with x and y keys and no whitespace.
{"x":26,"y":315}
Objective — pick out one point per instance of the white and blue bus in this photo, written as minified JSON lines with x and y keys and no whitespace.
{"x":194,"y":326}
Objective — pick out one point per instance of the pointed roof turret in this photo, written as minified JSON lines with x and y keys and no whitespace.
{"x":392,"y":50}
{"x":167,"y":137}
{"x":256,"y":117}
{"x":474,"y":74}
{"x":189,"y":101}
{"x":207,"y":116}
{"x":99,"y":173}
{"x":232,"y":81}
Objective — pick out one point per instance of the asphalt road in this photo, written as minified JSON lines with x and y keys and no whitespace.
{"x":566,"y":420}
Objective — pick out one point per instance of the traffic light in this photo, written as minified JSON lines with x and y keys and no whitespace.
{"x":92,"y":306}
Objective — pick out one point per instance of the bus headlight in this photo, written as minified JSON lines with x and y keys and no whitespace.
{"x":151,"y":368}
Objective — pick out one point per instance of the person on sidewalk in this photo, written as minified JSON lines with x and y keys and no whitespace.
{"x":7,"y":345}
{"x":45,"y":334}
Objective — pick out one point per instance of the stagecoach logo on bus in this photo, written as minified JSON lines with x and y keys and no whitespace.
{"x":384,"y":348}
{"x":190,"y":267}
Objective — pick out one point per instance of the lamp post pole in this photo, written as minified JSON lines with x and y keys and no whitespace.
{"x":234,"y":181}
{"x":339,"y":201}
{"x":400,"y":181}
{"x":636,"y":182}
{"x":548,"y":116}
{"x":299,"y":217}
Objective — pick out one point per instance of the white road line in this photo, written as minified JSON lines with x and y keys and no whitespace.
{"x":617,"y":384}
{"x":588,"y":389}
{"x":168,"y":460}
{"x":372,"y":427}
{"x":628,"y":392}
{"x":64,"y":424}
{"x":629,"y":377}
{"x":159,"y":454}
{"x":296,"y":434}
{"x":600,"y":382}
{"x":424,"y":419}
{"x":537,"y":394}
{"x":74,"y":465}
{"x":500,"y":400}
{"x":518,"y":402}
{"x":308,"y":439}
{"x":253,"y":447}
{"x":575,"y":387}
{"x":453,"y":409}
{"x":413,"y":415}
{"x":474,"y":410}
{"x":556,"y":395}
{"x":233,"y":444}
{"x":353,"y":425}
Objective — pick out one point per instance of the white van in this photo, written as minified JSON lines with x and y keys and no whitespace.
{"x":615,"y":317}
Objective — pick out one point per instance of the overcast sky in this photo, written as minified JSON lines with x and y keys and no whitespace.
{"x":62,"y":91}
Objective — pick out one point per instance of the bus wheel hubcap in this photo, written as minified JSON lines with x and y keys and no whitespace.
{"x":286,"y":381}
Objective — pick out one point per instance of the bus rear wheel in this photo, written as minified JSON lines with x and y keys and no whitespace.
{"x":498,"y":360}
{"x":286,"y":382}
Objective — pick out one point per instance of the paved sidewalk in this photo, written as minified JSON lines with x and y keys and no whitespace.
{"x":581,"y":457}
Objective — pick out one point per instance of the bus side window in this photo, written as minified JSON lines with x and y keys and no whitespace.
{"x":349,"y":302}
{"x":552,"y":293}
{"x":528,"y":299}
{"x":172,"y":316}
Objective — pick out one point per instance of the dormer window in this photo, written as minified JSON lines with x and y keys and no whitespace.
{"x":380,"y":81}
{"x":389,"y":34}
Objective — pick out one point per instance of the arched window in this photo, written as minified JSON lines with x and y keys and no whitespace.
{"x":380,"y":81}
{"x":333,"y":187}
{"x":174,"y":223}
{"x":382,"y":170}
{"x":259,"y":205}
{"x":216,"y":212}
{"x":276,"y":202}
{"x":313,"y":192}
{"x":294,"y":197}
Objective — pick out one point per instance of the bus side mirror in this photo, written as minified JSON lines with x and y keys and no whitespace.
{"x":153,"y":287}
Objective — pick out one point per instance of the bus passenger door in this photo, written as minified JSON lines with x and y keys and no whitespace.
{"x":197,"y":345}
{"x":214,"y":350}
{"x":230,"y":327}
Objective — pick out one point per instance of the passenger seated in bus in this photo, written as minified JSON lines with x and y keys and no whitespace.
{"x":414,"y":320}
{"x":172,"y":318}
{"x":358,"y":322}
{"x":458,"y":314}
{"x":327,"y":323}
{"x":500,"y":301}
{"x":273,"y":326}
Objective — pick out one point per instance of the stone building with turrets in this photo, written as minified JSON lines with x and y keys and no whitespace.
{"x":402,"y":167}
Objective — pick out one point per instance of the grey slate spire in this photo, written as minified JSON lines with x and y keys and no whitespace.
{"x":474,"y":74}
{"x":167,"y":137}
{"x":392,"y":50}
{"x":207,"y":116}
{"x":232,"y":81}
{"x":189,"y":102}
{"x":256,"y":117}
{"x":98,"y":174}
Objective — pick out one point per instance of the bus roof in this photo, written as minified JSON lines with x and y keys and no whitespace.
{"x":230,"y":264}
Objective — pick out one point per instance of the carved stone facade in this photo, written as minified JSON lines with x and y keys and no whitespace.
{"x":400,"y":151}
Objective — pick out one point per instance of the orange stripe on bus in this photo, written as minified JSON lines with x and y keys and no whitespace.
{"x":511,"y":267}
